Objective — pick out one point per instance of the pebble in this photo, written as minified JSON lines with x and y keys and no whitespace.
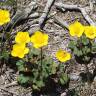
{"x":74,"y":76}
{"x":95,"y":79}
{"x":63,"y":94}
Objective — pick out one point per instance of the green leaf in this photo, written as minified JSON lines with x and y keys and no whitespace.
{"x":48,"y":60}
{"x":73,"y":92}
{"x":86,"y":50}
{"x":61,"y":67}
{"x":94,"y":47}
{"x":72,"y":44}
{"x":63,"y":78}
{"x":20,"y":62}
{"x":20,"y":65}
{"x":45,"y":73}
{"x":49,"y":66}
{"x":23,"y":79}
{"x":34,"y":51}
{"x":4,"y":54}
{"x":77,"y":52}
{"x":62,"y":81}
{"x":35,"y":73}
{"x":54,"y":68}
{"x":35,"y":87}
{"x":86,"y":58}
{"x":85,"y":40}
{"x":40,"y":83}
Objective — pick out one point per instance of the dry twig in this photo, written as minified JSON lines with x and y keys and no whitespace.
{"x":63,"y":24}
{"x":75,"y":7}
{"x":11,"y":84}
{"x":45,"y":13}
{"x":11,"y":92}
{"x":23,"y":14}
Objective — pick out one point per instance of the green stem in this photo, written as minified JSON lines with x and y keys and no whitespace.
{"x":61,"y":67}
{"x":41,"y":58}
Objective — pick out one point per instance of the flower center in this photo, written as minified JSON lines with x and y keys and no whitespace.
{"x":63,"y":54}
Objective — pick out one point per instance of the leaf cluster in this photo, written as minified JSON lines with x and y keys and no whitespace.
{"x":4,"y":55}
{"x":36,"y":74}
{"x":83,"y":49}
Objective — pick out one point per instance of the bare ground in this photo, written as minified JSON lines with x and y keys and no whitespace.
{"x":59,"y":38}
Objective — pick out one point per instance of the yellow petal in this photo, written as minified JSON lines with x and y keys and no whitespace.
{"x":76,"y":29}
{"x":68,"y":57}
{"x":26,"y":50}
{"x":19,"y":50}
{"x":19,"y":46}
{"x":36,"y":46}
{"x":90,"y":32}
{"x":13,"y":53}
{"x":39,"y":39}
{"x":21,"y":55}
{"x":33,"y":38}
{"x":22,"y":37}
{"x":46,"y":37}
{"x":4,"y":17}
{"x":62,"y":55}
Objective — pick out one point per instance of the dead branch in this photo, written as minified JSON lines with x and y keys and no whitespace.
{"x":11,"y":84}
{"x":61,"y":23}
{"x":34,"y":15}
{"x":6,"y":90}
{"x":45,"y":13}
{"x":78,"y":8}
{"x":23,"y":13}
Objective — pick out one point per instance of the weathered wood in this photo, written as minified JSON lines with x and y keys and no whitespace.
{"x":63,"y":24}
{"x":76,"y":7}
{"x":23,"y":14}
{"x":47,"y":9}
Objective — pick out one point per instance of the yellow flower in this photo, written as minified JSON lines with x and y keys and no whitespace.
{"x":90,"y":32}
{"x":62,"y":55}
{"x":22,"y":37}
{"x":19,"y":50}
{"x":39,"y":39}
{"x":76,"y":29}
{"x":4,"y":17}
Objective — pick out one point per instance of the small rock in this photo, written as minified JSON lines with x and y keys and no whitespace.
{"x":74,"y":76}
{"x":63,"y":94}
{"x":95,"y":79}
{"x":82,"y":68}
